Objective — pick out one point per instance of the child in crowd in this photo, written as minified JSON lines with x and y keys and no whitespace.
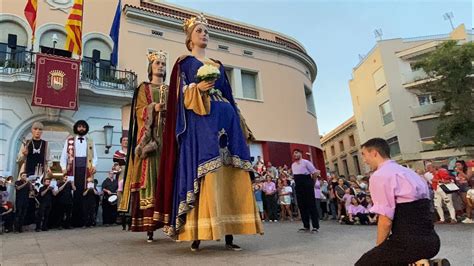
{"x":46,"y":201}
{"x":257,"y":190}
{"x":285,"y":200}
{"x":469,"y":203}
{"x":372,"y":216}
{"x":356,"y":213}
{"x":90,"y":204}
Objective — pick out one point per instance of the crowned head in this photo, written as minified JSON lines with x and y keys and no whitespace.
{"x":156,"y":64}
{"x":196,"y":29}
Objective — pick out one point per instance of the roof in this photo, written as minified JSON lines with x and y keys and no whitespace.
{"x":339,"y":129}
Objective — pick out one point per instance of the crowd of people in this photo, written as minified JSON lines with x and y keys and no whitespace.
{"x":338,"y":198}
{"x":50,"y":204}
{"x":347,"y":199}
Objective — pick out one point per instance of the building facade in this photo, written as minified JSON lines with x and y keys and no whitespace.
{"x":387,"y":103}
{"x":267,"y":70}
{"x":341,"y":149}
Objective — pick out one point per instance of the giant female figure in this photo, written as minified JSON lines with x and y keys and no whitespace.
{"x":207,"y":155}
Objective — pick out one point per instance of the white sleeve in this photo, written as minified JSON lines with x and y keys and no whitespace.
{"x":63,"y":161}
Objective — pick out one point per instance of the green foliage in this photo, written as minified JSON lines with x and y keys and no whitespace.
{"x":451,"y":69}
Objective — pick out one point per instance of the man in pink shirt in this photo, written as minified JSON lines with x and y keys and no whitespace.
{"x":305,"y":173}
{"x":405,"y":230}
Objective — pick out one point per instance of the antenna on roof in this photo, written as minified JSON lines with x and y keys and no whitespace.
{"x":449,"y":16}
{"x":361,"y":57}
{"x":378,"y":34}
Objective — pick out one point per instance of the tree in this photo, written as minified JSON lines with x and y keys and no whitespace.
{"x":451,"y":80}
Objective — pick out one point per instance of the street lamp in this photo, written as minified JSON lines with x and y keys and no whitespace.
{"x":55,"y":40}
{"x":108,"y":135}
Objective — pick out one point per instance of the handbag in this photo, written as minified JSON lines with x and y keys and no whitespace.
{"x":449,"y":188}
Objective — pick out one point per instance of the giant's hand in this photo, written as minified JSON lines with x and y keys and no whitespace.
{"x":205,"y":85}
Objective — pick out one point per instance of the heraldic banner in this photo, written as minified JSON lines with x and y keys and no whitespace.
{"x":56,"y":82}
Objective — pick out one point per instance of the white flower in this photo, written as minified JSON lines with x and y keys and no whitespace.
{"x":208,"y":70}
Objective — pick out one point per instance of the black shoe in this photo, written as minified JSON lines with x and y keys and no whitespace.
{"x":150,"y":239}
{"x":233,"y":247}
{"x":315,"y":230}
{"x":36,"y":230}
{"x":303,"y":230}
{"x":195,"y":245}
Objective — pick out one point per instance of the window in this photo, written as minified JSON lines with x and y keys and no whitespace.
{"x":356,"y":163}
{"x":379,"y":79}
{"x":352,"y":140}
{"x":394,"y":146}
{"x":336,"y":169}
{"x":309,"y":100}
{"x":325,"y":155}
{"x":333,"y":150}
{"x":346,"y":167}
{"x":425,"y":99}
{"x":341,"y":145}
{"x":413,"y":66}
{"x":223,"y":47}
{"x":386,"y":112}
{"x":248,"y":53}
{"x":249,"y":85}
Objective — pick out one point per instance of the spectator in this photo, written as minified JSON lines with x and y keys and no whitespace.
{"x":65,"y":200}
{"x":319,"y":195}
{"x":272,"y":170}
{"x":90,"y":203}
{"x":440,"y":197}
{"x":23,"y":188}
{"x":109,"y":207}
{"x":270,"y":191}
{"x":339,"y":191}
{"x":372,"y":216}
{"x":257,"y":188}
{"x":462,"y":179}
{"x":46,"y":199}
{"x":285,"y":192}
{"x":470,"y":204}
{"x":333,"y":201}
{"x":356,"y":213}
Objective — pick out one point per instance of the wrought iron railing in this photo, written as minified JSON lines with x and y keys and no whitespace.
{"x":23,"y":62}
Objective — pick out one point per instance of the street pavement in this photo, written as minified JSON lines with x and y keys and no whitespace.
{"x":281,"y":244}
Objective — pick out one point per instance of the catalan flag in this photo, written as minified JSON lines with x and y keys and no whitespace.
{"x":74,"y":28}
{"x":30,"y":13}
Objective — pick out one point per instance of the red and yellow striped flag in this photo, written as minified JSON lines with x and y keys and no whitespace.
{"x":74,"y":28}
{"x":30,"y":13}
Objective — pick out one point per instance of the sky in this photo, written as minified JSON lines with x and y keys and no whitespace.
{"x":335,"y":33}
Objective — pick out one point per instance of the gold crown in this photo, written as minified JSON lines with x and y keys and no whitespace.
{"x":189,"y":23}
{"x":152,"y":56}
{"x":57,"y":73}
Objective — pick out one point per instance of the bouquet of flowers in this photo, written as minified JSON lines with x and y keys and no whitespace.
{"x":208,"y":73}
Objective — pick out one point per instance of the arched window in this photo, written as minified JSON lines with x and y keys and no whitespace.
{"x":96,"y":61}
{"x":13,"y":44}
{"x":53,"y":41}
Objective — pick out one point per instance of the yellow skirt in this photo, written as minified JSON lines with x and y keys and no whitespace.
{"x":226,"y":206}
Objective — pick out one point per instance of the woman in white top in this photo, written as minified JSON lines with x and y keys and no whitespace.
{"x":285,"y":200}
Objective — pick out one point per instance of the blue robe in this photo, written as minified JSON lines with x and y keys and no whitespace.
{"x":205,"y":142}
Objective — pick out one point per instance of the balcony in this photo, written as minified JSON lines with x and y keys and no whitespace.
{"x":20,"y":66}
{"x":428,"y":109}
{"x":414,"y":78}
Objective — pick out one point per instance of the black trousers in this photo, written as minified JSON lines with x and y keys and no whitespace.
{"x":88,"y":213}
{"x":42,"y":218}
{"x":78,"y":199}
{"x":109,"y":212}
{"x":65,"y":214}
{"x":401,"y":251}
{"x":20,"y":214}
{"x":271,"y":206}
{"x":304,"y":187}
